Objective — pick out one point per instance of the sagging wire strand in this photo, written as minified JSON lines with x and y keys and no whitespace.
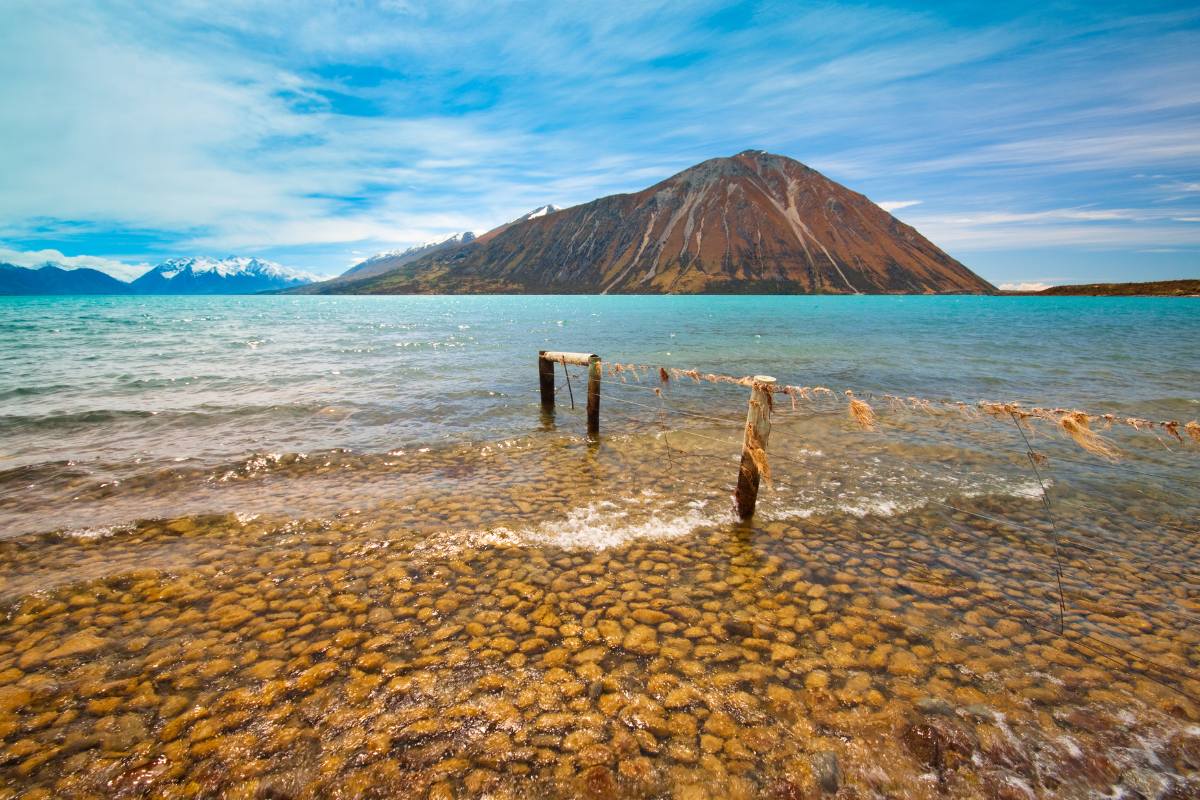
{"x":775,"y":454}
{"x":873,"y":421}
{"x":1075,"y":423}
{"x":867,"y":420}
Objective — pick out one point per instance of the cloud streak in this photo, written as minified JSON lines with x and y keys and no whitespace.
{"x":305,"y":132}
{"x":896,"y":205}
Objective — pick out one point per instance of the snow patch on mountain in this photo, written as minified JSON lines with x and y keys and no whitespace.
{"x":456,"y":238}
{"x":540,"y":211}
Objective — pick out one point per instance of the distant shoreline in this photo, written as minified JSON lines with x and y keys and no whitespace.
{"x":1180,"y":288}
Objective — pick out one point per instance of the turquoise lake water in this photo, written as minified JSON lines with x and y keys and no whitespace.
{"x":101,"y":391}
{"x":299,"y":546}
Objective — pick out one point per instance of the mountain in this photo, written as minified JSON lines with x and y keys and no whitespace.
{"x":752,"y":223}
{"x":392,"y":259}
{"x":232,"y":275}
{"x":51,"y":279}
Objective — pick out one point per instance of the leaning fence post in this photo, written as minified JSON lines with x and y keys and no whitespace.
{"x":546,"y":379}
{"x":754,"y":446}
{"x":593,"y":403}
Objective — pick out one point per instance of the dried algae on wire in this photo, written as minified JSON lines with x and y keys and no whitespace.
{"x":861,"y":412}
{"x":1074,"y":423}
{"x":1076,"y":426}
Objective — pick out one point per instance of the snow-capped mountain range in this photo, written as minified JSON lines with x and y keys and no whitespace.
{"x":197,"y":275}
{"x":230,"y":275}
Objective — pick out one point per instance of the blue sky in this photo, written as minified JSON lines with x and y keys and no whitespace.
{"x":1036,"y":143}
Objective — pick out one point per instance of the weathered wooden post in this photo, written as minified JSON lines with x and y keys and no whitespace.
{"x":546,"y":361}
{"x":546,"y":379}
{"x":593,"y":407}
{"x":754,"y":446}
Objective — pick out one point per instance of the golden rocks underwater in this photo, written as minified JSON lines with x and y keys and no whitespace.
{"x":430,"y":649}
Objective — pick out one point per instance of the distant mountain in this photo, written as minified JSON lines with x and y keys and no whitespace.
{"x":50,"y":279}
{"x":1187,"y":287}
{"x":232,"y":275}
{"x":752,"y":223}
{"x":392,"y":259}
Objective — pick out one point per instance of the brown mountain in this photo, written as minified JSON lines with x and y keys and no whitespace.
{"x":755,"y":222}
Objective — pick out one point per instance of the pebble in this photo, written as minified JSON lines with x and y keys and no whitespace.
{"x":79,"y":644}
{"x":827,"y":770}
{"x":641,"y":639}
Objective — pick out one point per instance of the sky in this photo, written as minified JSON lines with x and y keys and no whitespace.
{"x":1037,"y":143}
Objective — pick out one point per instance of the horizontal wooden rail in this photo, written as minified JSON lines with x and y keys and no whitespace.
{"x":579,"y":359}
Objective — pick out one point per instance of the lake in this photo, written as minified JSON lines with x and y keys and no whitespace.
{"x":319,"y":545}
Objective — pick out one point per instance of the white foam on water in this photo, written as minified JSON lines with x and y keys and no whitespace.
{"x":101,"y":532}
{"x":600,"y":525}
{"x":874,"y":507}
{"x":1072,"y":747}
{"x":605,"y":524}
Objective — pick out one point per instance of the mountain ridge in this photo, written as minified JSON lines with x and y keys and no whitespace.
{"x":229,"y":275}
{"x":380,"y":263}
{"x":755,"y":222}
{"x":53,"y":279}
{"x":185,"y":275}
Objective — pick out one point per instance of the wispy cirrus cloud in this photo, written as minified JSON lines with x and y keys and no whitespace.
{"x":307,"y":131}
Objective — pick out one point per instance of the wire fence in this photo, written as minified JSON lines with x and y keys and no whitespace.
{"x":651,"y":399}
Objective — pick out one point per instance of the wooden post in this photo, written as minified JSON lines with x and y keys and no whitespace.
{"x":593,"y":405}
{"x":758,"y":431}
{"x":546,"y":361}
{"x":546,"y":379}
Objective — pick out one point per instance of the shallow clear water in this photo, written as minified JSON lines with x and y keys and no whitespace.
{"x":324,"y":547}
{"x":178,"y":392}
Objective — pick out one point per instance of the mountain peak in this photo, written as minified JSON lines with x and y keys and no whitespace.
{"x":540,"y":211}
{"x":754,"y":222}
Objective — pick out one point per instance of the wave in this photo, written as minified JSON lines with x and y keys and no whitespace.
{"x":17,"y":392}
{"x":606,"y":524}
{"x":600,"y":525}
{"x":200,"y":415}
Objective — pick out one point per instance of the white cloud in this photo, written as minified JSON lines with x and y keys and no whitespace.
{"x":1025,"y":286}
{"x":896,"y":205}
{"x":36,"y":258}
{"x":1105,"y":228}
